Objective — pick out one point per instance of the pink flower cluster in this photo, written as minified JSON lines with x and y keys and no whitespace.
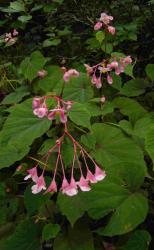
{"x":70,"y":73}
{"x":10,"y":38}
{"x":41,"y":110}
{"x":104,"y":68}
{"x":70,"y":187}
{"x":104,"y":22}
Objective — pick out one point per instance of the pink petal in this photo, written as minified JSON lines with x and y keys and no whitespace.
{"x":109,"y":79}
{"x":51,"y":115}
{"x":63,"y":117}
{"x":83,"y":184}
{"x":52,"y":187}
{"x":98,"y":26}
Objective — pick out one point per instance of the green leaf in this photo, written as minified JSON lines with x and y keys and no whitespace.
{"x":77,"y":89}
{"x":139,"y":240}
{"x":21,"y":128}
{"x":129,"y":70}
{"x":149,"y":142}
{"x":25,"y":237}
{"x":54,"y":42}
{"x":89,"y":140}
{"x":33,"y":202}
{"x":76,"y":238}
{"x":107,"y":48}
{"x":130,"y":108}
{"x":100,"y":36}
{"x":80,"y":115}
{"x":31,"y":65}
{"x":16,"y":96}
{"x":24,"y":19}
{"x":150,"y":71}
{"x":134,"y":87}
{"x":18,"y":6}
{"x":104,"y":197}
{"x":113,"y":147}
{"x":50,"y":231}
{"x":127,"y":216}
{"x":54,"y":75}
{"x":72,"y":207}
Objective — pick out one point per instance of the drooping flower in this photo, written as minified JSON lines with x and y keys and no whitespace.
{"x":98,"y":26}
{"x":71,"y":189}
{"x":96,"y":81}
{"x":60,"y":112}
{"x":39,"y":186}
{"x":99,"y":173}
{"x":32,"y":173}
{"x":109,"y":79}
{"x":83,"y":184}
{"x":91,"y":177}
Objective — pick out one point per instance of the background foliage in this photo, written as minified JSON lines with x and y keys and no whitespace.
{"x":118,"y":213}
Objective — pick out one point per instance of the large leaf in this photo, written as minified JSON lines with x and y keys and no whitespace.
{"x":127,"y":216}
{"x":72,"y":207}
{"x":31,"y":65}
{"x":134,"y":87}
{"x":113,"y":147}
{"x":80,"y":115}
{"x":16,"y":96}
{"x":19,"y":131}
{"x":78,"y":238}
{"x":139,"y":240}
{"x":77,"y":89}
{"x":130,"y":108}
{"x":25,"y":237}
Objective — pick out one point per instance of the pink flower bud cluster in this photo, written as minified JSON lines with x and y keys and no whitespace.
{"x":10,"y":38}
{"x":69,"y":184}
{"x":70,"y":73}
{"x":104,"y":22}
{"x":41,"y":110}
{"x":42,"y":73}
{"x":105,"y":68}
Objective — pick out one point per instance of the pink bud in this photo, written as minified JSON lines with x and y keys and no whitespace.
{"x":39,"y":186}
{"x":98,"y":26}
{"x":111,"y":30}
{"x":70,"y":73}
{"x":103,"y":99}
{"x":128,"y":60}
{"x":42,"y":73}
{"x":52,"y":187}
{"x":69,"y":105}
{"x":15,"y":32}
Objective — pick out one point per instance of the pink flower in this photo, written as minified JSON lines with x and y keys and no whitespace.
{"x":39,"y":186}
{"x":52,"y":187}
{"x":32,"y":173}
{"x":65,"y":184}
{"x":105,"y":18}
{"x":36,"y":102}
{"x":83,"y":184}
{"x":109,"y":79}
{"x":70,"y":189}
{"x":98,"y":26}
{"x":99,"y":173}
{"x":113,"y":65}
{"x":15,"y":32}
{"x":52,"y":114}
{"x":42,"y":73}
{"x":70,"y":73}
{"x":117,"y":71}
{"x":61,"y":112}
{"x":128,"y":60}
{"x":96,"y":81}
{"x":111,"y":30}
{"x":40,"y":112}
{"x":19,"y":168}
{"x":88,"y":69}
{"x":90,"y":177}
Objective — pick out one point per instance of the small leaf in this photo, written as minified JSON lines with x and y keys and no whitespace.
{"x":18,"y":6}
{"x":100,"y":36}
{"x":24,"y":19}
{"x":50,"y":231}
